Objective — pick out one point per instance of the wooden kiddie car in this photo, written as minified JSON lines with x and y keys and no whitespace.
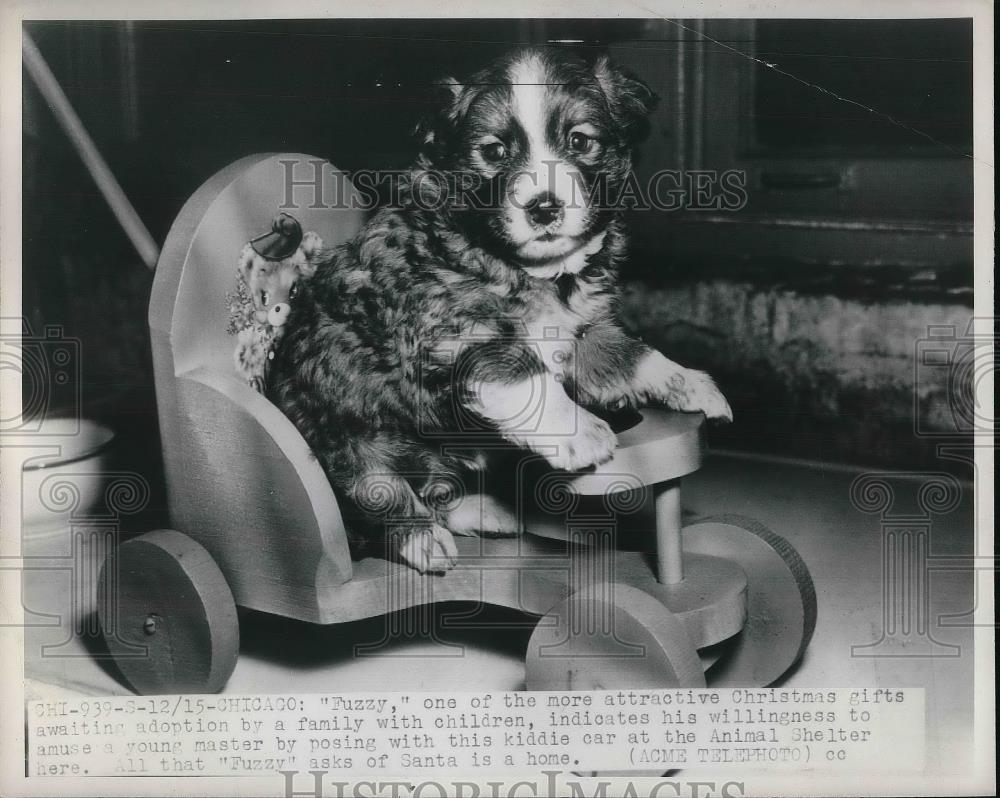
{"x":256,"y":523}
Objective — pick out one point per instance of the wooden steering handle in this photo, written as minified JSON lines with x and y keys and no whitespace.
{"x":655,"y":453}
{"x":663,"y":446}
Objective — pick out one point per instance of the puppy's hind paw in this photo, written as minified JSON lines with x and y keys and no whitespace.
{"x":428,"y":549}
{"x":486,"y":516}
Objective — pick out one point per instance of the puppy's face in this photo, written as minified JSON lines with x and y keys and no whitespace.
{"x":546,"y":141}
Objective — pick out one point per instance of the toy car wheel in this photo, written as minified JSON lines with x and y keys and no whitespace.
{"x":781,"y":599}
{"x":611,"y":636}
{"x":167,"y":615}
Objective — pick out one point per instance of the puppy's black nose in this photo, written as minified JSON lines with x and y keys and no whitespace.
{"x":544,"y":209}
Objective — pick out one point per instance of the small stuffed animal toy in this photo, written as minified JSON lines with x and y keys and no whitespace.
{"x":268,"y":272}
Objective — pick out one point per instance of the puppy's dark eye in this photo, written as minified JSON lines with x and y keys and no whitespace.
{"x":580,"y":142}
{"x":494,"y":152}
{"x":293,"y":291}
{"x":263,"y":298}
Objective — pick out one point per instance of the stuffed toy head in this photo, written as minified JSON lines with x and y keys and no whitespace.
{"x":269,"y":269}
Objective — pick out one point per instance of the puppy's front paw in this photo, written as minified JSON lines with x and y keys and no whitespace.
{"x":428,"y":549}
{"x":660,"y":380}
{"x":692,"y":391}
{"x":593,"y":443}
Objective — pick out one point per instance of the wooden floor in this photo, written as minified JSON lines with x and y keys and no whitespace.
{"x":461,"y":647}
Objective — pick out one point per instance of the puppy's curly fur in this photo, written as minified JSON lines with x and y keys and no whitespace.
{"x":443,"y":319}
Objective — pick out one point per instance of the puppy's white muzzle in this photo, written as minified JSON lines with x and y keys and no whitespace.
{"x":545,"y":210}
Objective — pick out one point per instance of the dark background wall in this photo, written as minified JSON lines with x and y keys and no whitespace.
{"x":808,"y":304}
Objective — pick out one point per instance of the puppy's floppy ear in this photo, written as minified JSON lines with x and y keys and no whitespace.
{"x":630,"y":99}
{"x":450,"y":101}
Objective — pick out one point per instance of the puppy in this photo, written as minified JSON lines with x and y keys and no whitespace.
{"x":485,"y":303}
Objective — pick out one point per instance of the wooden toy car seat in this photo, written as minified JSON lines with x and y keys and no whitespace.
{"x":257,"y":524}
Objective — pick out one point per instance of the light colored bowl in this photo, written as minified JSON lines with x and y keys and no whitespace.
{"x":65,"y":480}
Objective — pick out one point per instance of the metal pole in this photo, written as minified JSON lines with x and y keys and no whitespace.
{"x":88,"y":152}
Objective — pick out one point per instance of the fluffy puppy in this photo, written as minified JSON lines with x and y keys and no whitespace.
{"x":483,"y":302}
